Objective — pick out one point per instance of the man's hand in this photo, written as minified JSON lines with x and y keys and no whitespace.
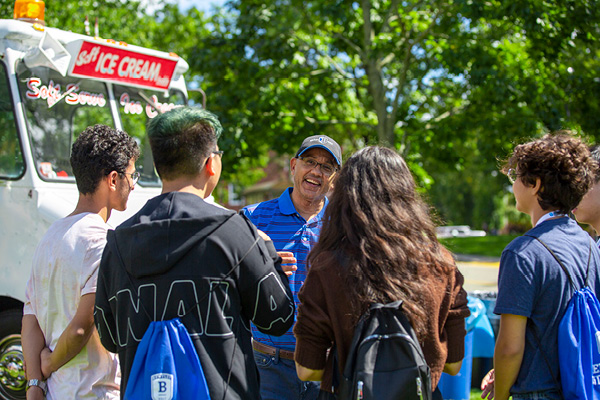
{"x":288,"y":262}
{"x":263,"y":235}
{"x":487,"y":385}
{"x":46,"y":363}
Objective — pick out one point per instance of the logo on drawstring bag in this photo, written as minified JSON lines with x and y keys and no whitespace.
{"x":162,"y":386}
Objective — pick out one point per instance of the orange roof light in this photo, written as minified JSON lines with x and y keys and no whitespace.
{"x":29,"y":10}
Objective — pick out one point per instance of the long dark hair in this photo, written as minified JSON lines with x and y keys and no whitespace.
{"x":380,"y":232}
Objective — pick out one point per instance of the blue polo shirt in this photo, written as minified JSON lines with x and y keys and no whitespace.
{"x":289,"y":231}
{"x":532,"y":284}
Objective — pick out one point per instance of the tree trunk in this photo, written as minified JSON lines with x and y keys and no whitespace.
{"x":377,"y":90}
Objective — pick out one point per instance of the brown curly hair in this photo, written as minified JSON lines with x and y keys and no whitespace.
{"x":563,"y":164}
{"x":595,"y":151}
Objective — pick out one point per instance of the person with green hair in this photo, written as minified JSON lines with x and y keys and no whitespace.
{"x":182,"y":257}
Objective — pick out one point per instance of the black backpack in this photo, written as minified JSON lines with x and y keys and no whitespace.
{"x":385,"y":360}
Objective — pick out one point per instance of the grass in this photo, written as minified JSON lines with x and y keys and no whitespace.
{"x":490,"y":246}
{"x":475,"y":394}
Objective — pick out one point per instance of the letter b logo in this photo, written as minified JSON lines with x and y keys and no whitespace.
{"x":162,"y":386}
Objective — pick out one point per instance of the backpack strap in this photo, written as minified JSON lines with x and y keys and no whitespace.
{"x":534,"y":330}
{"x":394,"y":304}
{"x":335,"y":380}
{"x":587,"y":271}
{"x":539,"y":344}
{"x":562,"y":266}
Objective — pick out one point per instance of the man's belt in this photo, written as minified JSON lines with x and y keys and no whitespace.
{"x":272,"y":351}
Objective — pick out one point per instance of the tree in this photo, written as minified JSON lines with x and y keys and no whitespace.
{"x":532,"y":70}
{"x":451,"y":84}
{"x":370,"y":67}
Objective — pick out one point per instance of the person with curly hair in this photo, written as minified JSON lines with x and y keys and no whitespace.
{"x":549,"y":178}
{"x":588,"y":210}
{"x":378,"y":244}
{"x":60,"y":342}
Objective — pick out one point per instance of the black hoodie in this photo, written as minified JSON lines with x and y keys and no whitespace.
{"x":174,"y":250}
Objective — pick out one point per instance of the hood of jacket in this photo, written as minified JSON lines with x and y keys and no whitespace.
{"x":164,"y":231}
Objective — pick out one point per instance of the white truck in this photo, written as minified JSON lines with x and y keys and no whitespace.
{"x":53,"y":84}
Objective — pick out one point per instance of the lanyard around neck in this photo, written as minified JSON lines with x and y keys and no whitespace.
{"x":547,"y":216}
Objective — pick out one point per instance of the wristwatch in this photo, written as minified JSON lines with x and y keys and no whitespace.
{"x":39,"y":383}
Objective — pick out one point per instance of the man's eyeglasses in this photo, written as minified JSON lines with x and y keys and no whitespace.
{"x":512,"y":175}
{"x":217,"y":152}
{"x":135,"y":177}
{"x":326,"y":169}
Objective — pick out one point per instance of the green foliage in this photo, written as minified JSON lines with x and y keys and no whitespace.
{"x":489,"y":246}
{"x":6,"y":9}
{"x":451,"y":84}
{"x":506,"y":218}
{"x":475,"y":394}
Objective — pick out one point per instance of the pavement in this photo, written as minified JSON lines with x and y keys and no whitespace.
{"x":474,"y":258}
{"x":480,"y":272}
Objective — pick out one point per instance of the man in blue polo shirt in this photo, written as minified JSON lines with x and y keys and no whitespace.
{"x":293,"y":221}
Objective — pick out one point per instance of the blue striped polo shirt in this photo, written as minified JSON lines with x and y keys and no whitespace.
{"x":289,"y":231}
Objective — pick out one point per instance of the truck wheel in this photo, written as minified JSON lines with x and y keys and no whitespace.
{"x":12,"y":371}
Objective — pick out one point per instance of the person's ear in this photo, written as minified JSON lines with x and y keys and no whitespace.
{"x":210,"y":166}
{"x":112,"y":180}
{"x":537,"y":186}
{"x":293,"y":162}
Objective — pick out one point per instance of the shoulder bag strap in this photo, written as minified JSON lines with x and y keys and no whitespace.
{"x":562,"y":266}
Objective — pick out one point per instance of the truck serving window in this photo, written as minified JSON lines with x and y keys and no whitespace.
{"x":136,"y":108}
{"x":57,"y":110}
{"x":12,"y":165}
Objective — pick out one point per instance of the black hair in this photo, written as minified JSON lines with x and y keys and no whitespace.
{"x":97,"y":152}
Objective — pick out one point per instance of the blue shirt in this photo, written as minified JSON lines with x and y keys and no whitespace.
{"x":289,"y":231}
{"x":532,"y":284}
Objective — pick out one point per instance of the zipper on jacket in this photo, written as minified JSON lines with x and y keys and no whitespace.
{"x":359,"y":390}
{"x":419,"y":388}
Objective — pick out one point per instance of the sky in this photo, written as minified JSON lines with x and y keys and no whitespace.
{"x":202,"y":5}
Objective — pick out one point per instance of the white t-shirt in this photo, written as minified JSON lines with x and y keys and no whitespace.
{"x":65,"y":267}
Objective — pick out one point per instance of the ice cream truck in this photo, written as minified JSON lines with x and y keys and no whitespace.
{"x":53,"y":84}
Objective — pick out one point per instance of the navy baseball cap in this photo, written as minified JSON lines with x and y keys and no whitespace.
{"x":324,"y":142}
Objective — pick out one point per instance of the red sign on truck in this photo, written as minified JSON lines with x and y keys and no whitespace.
{"x":116,"y":64}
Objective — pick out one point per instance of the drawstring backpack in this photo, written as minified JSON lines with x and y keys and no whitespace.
{"x":166,"y":365}
{"x":578,"y":340}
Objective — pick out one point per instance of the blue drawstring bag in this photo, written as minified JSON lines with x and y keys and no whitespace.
{"x":579,"y":347}
{"x":166,"y":365}
{"x":578,"y":340}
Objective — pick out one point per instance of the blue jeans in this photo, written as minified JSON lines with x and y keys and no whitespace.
{"x":278,"y":379}
{"x":547,"y":395}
